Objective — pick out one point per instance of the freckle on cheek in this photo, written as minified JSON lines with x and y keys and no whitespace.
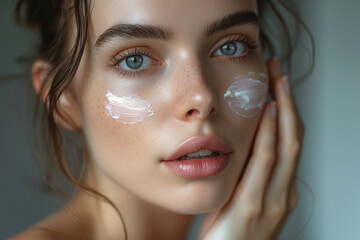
{"x":113,"y":124}
{"x":246,"y":95}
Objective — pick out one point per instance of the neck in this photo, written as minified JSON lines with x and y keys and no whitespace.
{"x":142,"y":219}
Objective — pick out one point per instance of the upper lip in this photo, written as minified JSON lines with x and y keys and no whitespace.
{"x":197,"y":143}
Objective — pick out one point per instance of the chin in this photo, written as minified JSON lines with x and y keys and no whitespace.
{"x":209,"y":205}
{"x":199,"y":199}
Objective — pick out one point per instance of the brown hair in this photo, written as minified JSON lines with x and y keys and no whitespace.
{"x":51,"y":17}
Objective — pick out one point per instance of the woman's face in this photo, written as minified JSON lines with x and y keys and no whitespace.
{"x":142,"y":94}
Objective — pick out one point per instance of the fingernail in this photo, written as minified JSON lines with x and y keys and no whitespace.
{"x":273,"y":110}
{"x":285,"y":80}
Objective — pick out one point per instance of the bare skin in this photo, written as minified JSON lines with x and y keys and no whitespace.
{"x":185,"y":87}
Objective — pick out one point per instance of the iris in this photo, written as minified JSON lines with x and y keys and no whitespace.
{"x":228,"y":49}
{"x":134,"y":62}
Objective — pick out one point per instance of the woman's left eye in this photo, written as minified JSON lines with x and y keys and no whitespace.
{"x":234,"y":48}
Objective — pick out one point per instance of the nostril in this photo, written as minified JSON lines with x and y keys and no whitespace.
{"x":193,"y":112}
{"x":190,"y":112}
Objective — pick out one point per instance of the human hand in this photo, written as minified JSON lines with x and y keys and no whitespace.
{"x":267,"y":194}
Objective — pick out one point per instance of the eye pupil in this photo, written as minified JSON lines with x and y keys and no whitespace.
{"x":134,"y":62}
{"x":229,"y":48}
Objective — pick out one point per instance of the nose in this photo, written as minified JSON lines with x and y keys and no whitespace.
{"x":194,"y":98}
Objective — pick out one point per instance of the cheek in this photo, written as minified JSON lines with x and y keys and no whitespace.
{"x":117,"y":111}
{"x":129,"y":109}
{"x":247,"y":94}
{"x":113,"y":126}
{"x":243,"y":88}
{"x":242,"y":97}
{"x":242,"y":103}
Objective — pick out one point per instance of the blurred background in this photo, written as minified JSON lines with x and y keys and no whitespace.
{"x":328,"y":101}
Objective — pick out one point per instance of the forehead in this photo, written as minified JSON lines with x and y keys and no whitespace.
{"x":179,"y":15}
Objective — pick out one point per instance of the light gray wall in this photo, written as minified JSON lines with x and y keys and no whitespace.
{"x":21,"y":203}
{"x":328,"y":102}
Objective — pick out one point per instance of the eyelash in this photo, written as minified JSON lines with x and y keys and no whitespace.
{"x":250,"y":46}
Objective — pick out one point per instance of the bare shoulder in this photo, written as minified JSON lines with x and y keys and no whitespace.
{"x":67,"y":223}
{"x":57,"y":226}
{"x":39,"y":234}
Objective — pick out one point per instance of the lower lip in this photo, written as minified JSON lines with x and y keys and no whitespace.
{"x":195,"y":168}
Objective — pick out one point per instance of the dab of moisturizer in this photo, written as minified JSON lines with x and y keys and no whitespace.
{"x":246,"y":96}
{"x":127,"y":109}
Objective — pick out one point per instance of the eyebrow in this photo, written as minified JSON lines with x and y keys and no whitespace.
{"x":130,"y":31}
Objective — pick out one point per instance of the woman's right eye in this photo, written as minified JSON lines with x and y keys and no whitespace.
{"x":132,"y":62}
{"x":135,"y":62}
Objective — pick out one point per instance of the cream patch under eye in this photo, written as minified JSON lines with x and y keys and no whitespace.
{"x":246,"y":95}
{"x":127,"y":109}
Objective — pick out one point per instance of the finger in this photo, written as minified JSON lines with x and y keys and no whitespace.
{"x":290,"y":138}
{"x":261,"y":163}
{"x":293,"y":196}
{"x":275,"y":74}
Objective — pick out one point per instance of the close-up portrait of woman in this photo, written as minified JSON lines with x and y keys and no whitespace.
{"x":167,"y":119}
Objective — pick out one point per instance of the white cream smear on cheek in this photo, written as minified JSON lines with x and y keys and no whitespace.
{"x":246,"y":95}
{"x":127,"y":109}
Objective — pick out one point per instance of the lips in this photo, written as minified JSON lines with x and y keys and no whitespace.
{"x":195,"y":144}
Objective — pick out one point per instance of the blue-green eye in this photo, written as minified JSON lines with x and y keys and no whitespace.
{"x":234,"y":48}
{"x":135,"y":62}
